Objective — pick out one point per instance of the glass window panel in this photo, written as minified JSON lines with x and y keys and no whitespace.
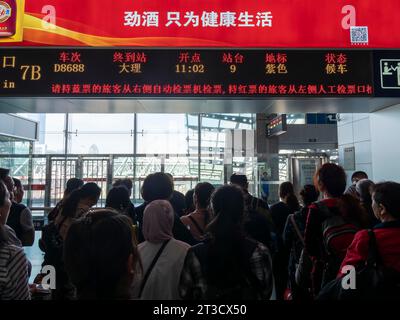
{"x":144,"y":166}
{"x":13,"y":146}
{"x":162,"y":134}
{"x":101,"y":133}
{"x":101,"y":123}
{"x":38,"y":182}
{"x":52,"y":143}
{"x":51,"y":132}
{"x":101,"y":143}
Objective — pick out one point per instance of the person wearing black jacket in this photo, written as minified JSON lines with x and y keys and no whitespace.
{"x":293,"y":239}
{"x":20,"y":216}
{"x":158,"y":186}
{"x":127,"y":183}
{"x":72,"y":184}
{"x":257,"y":221}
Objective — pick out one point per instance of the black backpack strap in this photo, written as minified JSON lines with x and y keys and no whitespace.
{"x":254,"y":203}
{"x":323,"y":208}
{"x":249,"y":246}
{"x":61,"y":224}
{"x":296,"y":229}
{"x":153,"y":263}
{"x":196,"y":225}
{"x":372,"y":258}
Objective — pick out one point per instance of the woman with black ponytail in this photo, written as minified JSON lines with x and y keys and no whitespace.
{"x":280,"y":212}
{"x":228,"y":265}
{"x":198,"y":220}
{"x":77,"y":205}
{"x":288,"y":205}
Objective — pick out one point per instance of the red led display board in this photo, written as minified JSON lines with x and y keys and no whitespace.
{"x":190,"y":73}
{"x":203,"y":23}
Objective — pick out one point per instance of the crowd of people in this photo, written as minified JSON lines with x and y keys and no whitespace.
{"x":212,"y":243}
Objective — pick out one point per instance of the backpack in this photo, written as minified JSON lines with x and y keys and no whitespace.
{"x":247,"y":286}
{"x":373,"y":280}
{"x":52,"y":244}
{"x":334,"y":228}
{"x":258,"y":216}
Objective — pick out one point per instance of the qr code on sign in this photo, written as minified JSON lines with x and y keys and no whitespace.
{"x":359,"y":35}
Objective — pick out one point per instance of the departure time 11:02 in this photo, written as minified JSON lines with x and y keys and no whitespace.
{"x":193,"y":68}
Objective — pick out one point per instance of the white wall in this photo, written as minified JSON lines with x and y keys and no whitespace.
{"x":354,"y":131}
{"x":376,"y":139}
{"x":385,"y":139}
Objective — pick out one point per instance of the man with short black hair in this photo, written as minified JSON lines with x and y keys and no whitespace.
{"x":4,"y":173}
{"x":18,"y":190}
{"x":258,"y":221}
{"x":127,"y":183}
{"x":355,"y":177}
{"x":177,"y":200}
{"x":159,"y":186}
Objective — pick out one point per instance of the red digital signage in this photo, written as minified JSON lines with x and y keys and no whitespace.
{"x":184,"y":73}
{"x":201,"y":23}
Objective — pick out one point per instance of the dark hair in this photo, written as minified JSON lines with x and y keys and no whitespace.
{"x":388,"y":195}
{"x":118,"y":198}
{"x":4,"y":173}
{"x":189,"y":201}
{"x":239,"y":179}
{"x":73,"y":184}
{"x":332,"y":178}
{"x":169,"y":175}
{"x":363,"y":188}
{"x":351,"y":209}
{"x":17,"y":183}
{"x":286,"y":190}
{"x":127,"y":183}
{"x":203,"y":192}
{"x":157,"y":186}
{"x":89,"y":190}
{"x":359,"y":175}
{"x":3,"y":194}
{"x":309,"y":194}
{"x":96,"y":253}
{"x":227,"y":235}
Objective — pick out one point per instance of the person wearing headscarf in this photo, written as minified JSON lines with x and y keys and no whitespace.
{"x":162,"y":255}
